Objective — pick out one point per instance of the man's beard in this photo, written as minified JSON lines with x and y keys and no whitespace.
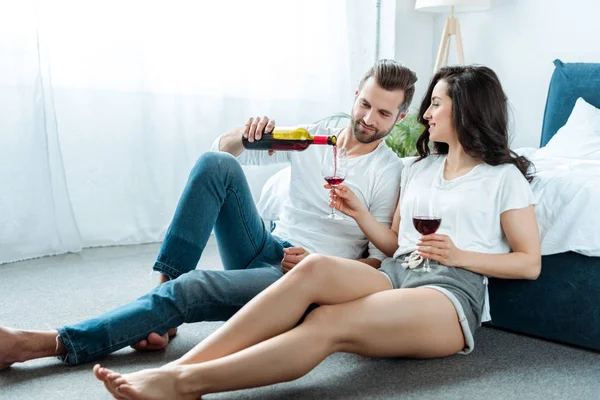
{"x":364,"y":137}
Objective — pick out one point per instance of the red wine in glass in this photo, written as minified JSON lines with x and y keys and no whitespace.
{"x":426,"y":225}
{"x":334,"y":173}
{"x":334,"y":180}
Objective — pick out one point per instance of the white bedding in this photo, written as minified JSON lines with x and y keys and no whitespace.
{"x":567,"y":184}
{"x":568,"y":209}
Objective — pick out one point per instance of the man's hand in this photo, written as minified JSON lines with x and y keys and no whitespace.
{"x":231,"y":142}
{"x":255,"y":127}
{"x":292,"y":256}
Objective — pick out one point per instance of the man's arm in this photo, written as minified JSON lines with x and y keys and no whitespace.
{"x":231,"y":142}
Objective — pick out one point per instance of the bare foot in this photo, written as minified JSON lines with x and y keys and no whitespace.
{"x":18,"y":346}
{"x":102,"y":374}
{"x":8,"y":345}
{"x":154,"y":341}
{"x":149,"y":384}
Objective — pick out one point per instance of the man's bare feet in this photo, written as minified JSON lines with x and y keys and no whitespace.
{"x":19,"y":346}
{"x":8,"y":346}
{"x":154,"y":341}
{"x":149,"y":384}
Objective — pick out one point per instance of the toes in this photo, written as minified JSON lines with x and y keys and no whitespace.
{"x":154,"y":342}
{"x":113,"y":376}
{"x":154,"y":338}
{"x":172,"y":332}
{"x":158,"y":341}
{"x":119,"y":381}
{"x":141,"y":345}
{"x":101,"y":372}
{"x":127,"y":391}
{"x":106,"y":376}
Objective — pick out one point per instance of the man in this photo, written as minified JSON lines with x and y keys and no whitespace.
{"x":217,"y":196}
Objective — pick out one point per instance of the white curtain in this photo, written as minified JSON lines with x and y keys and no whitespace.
{"x":106,"y":104}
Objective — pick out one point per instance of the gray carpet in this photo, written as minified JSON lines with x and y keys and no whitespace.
{"x":52,"y":291}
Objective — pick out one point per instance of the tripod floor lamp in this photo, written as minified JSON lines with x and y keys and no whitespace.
{"x":452,"y":27}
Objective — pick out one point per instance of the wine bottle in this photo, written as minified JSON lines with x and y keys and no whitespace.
{"x":297,"y":139}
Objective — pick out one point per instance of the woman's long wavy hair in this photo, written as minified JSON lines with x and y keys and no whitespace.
{"x":480,"y":113}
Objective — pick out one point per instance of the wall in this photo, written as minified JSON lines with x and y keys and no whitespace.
{"x":360,"y":22}
{"x":415,"y":44}
{"x":519,"y":39}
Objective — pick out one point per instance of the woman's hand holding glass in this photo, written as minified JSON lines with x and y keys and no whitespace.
{"x":440,"y":248}
{"x":426,"y":220}
{"x":344,"y":200}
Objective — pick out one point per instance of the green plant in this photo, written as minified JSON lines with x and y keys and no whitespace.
{"x":403,"y":137}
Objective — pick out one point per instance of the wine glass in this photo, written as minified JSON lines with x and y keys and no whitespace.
{"x":334,"y":167}
{"x":426,"y":219}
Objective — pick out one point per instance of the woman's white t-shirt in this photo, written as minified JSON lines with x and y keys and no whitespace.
{"x":469,"y":206}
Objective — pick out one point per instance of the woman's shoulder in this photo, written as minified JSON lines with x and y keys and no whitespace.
{"x":415,"y":163}
{"x":505,"y":177}
{"x":507,"y":171}
{"x":415,"y":166}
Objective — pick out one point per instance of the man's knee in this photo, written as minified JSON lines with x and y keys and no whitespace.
{"x":214,"y":164}
{"x":221,"y":287}
{"x":191,"y":287}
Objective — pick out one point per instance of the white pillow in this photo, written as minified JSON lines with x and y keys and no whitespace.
{"x":579,"y":138}
{"x":274,"y":195}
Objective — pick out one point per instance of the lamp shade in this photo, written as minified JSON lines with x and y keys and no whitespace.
{"x":459,"y":5}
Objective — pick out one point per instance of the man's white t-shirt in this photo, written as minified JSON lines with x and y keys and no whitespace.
{"x":469,"y":206}
{"x":373,"y":177}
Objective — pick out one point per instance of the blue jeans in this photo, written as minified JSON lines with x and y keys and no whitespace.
{"x":216,"y":196}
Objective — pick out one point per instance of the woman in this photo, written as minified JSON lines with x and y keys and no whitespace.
{"x":482,"y":195}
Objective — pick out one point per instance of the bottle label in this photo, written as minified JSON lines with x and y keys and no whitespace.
{"x":290,"y":134}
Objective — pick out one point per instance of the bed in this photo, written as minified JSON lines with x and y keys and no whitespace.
{"x":563,"y":304}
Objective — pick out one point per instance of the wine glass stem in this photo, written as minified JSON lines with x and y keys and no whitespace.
{"x":427,"y":264}
{"x":333,"y":209}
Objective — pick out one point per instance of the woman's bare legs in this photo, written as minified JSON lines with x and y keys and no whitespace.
{"x":418,"y":323}
{"x":317,"y":279}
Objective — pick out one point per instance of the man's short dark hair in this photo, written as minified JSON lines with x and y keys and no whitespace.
{"x":391,"y":75}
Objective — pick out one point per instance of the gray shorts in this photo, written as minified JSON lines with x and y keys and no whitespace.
{"x":465,"y":289}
